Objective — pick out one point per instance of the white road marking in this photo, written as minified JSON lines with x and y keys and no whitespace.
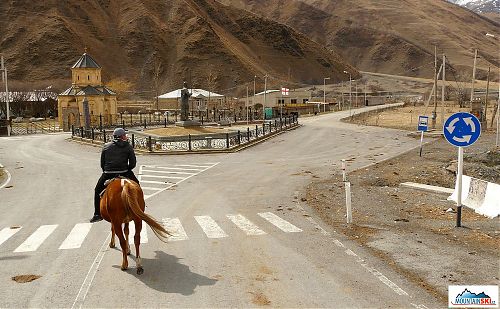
{"x":152,"y":189}
{"x":210,"y":227}
{"x":174,"y":226}
{"x":338,"y":243}
{"x":36,"y":239}
{"x":76,"y":236}
{"x":131,"y":233}
{"x":246,"y":225}
{"x":384,"y":279}
{"x":282,"y":224}
{"x":155,"y":182}
{"x":167,"y":172}
{"x":349,"y":252}
{"x":158,"y":176}
{"x":7,"y":233}
{"x":179,"y":168}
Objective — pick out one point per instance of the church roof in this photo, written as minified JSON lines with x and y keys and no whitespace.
{"x":88,"y":90}
{"x":86,"y":61}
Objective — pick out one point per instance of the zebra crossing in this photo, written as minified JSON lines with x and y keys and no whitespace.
{"x":209,"y":228}
{"x":155,"y":179}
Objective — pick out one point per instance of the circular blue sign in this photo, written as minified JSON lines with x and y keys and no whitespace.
{"x":462,"y":129}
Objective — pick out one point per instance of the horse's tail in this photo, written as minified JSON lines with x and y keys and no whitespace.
{"x":131,"y":197}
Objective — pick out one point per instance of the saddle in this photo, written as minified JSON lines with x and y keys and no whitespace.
{"x":107,"y":182}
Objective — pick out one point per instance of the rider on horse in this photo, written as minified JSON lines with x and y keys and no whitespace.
{"x":117,"y":159}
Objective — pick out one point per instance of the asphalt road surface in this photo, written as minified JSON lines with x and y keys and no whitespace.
{"x":242,"y":235}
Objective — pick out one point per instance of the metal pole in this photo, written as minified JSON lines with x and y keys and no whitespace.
{"x":443,"y":89}
{"x":265,"y":90}
{"x":459,"y":185}
{"x":350,"y":94}
{"x":434,"y":115}
{"x":246,"y":104}
{"x":344,"y":176}
{"x":421,"y":142}
{"x":348,"y":201}
{"x":485,"y":126}
{"x":7,"y":97}
{"x":473,"y":79}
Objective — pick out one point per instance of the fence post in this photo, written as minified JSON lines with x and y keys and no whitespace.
{"x":100,"y":122}
{"x":165,"y":122}
{"x":104,"y":136}
{"x":144,"y":122}
{"x":92,"y":132}
{"x":189,"y":138}
{"x":133,"y":140}
{"x":239,"y":137}
{"x":123,"y":124}
{"x":275,"y":125}
{"x":131,"y":120}
{"x":227,"y":140}
{"x":201,"y":119}
{"x":263,"y":129}
{"x":81,"y":132}
{"x":150,"y":144}
{"x":72,"y":130}
{"x":248,"y":133}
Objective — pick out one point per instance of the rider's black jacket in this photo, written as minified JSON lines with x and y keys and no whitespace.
{"x":117,"y":157}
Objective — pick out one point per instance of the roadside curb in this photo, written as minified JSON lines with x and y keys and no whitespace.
{"x":8,"y":177}
{"x":427,"y":188}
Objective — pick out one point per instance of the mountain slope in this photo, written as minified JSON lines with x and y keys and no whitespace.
{"x":388,"y":36}
{"x":180,"y":40}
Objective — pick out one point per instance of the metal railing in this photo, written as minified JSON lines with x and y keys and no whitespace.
{"x":190,"y":143}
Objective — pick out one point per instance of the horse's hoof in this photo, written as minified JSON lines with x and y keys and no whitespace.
{"x":112,"y":245}
{"x":140,"y":271}
{"x":124,"y":268}
{"x":128,"y":253}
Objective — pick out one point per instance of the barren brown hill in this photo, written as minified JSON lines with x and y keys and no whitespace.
{"x":389,"y":36}
{"x":181,"y":40}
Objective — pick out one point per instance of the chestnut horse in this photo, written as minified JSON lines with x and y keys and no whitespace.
{"x":123,"y":202}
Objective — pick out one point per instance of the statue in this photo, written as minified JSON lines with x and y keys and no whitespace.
{"x":185,"y":94}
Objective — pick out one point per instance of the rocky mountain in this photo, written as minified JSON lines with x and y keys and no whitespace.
{"x":389,"y":36}
{"x":202,"y":41}
{"x":480,"y":6}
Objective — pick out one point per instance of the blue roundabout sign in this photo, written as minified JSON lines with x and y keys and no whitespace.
{"x":462,"y":129}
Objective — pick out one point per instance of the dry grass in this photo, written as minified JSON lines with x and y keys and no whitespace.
{"x":406,"y":118}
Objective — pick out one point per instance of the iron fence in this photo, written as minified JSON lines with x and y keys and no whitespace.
{"x":190,"y":143}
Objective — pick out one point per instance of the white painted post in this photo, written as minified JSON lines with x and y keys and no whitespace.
{"x":421,"y":142}
{"x":344,"y":177}
{"x":348,"y":201}
{"x":459,"y":185}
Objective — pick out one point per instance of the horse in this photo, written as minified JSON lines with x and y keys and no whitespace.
{"x":122,"y":202}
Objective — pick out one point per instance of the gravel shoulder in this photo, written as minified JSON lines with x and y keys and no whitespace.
{"x":412,"y":230}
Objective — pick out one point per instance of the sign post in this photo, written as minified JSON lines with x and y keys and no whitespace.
{"x":423,"y":125}
{"x":461,"y":130}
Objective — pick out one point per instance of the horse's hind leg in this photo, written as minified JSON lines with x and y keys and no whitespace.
{"x":137,"y":243}
{"x":123,"y":244}
{"x":112,"y":242}
{"x":126,"y":231}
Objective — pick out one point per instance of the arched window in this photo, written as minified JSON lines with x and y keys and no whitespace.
{"x":88,"y":77}
{"x":78,"y":77}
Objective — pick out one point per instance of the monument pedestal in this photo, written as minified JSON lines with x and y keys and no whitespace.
{"x":188,"y":123}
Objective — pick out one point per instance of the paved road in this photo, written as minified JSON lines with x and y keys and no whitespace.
{"x":234,"y":245}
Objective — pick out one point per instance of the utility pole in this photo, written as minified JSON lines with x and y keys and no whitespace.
{"x":264,"y":104}
{"x":3,"y":68}
{"x":324,"y":93}
{"x":473,"y":79}
{"x":485,"y":122}
{"x":434,"y":115}
{"x":247,"y":104}
{"x":443,"y":89}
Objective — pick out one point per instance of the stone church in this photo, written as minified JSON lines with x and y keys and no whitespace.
{"x":87,"y":102}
